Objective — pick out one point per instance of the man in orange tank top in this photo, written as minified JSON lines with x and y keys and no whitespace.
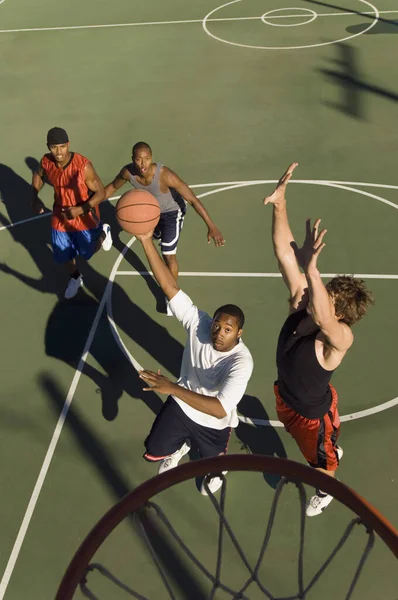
{"x":76,"y":228}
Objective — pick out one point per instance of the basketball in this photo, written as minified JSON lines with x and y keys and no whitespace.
{"x":137,"y":211}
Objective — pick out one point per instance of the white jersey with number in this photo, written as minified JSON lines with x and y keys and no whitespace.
{"x":206,"y":371}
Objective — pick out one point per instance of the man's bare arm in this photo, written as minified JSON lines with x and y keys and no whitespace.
{"x":172,"y":180}
{"x":95,"y":185}
{"x":162,"y":273}
{"x":338,"y":335}
{"x":37,"y":184}
{"x":283,"y":242}
{"x":119,"y":181}
{"x":205,"y":404}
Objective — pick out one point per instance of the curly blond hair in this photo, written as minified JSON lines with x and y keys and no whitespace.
{"x":351,"y":298}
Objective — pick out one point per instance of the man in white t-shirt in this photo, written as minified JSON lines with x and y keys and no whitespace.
{"x":216,"y":366}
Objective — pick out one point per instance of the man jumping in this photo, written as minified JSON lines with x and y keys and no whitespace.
{"x":312,"y":343}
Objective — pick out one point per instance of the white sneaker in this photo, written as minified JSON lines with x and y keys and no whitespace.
{"x":172,"y":461}
{"x":318,"y":503}
{"x":168,"y":309}
{"x":107,"y":241}
{"x":213,"y":484}
{"x":73,"y":287}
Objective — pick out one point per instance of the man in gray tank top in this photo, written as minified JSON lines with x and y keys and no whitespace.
{"x":172,"y":194}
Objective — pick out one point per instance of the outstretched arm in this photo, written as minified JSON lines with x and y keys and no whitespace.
{"x":119,"y":181}
{"x":283,"y":242}
{"x":172,"y":180}
{"x":338,"y":335}
{"x":209,"y":405}
{"x":162,"y":274}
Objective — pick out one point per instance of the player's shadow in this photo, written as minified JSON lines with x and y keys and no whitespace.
{"x":94,"y":450}
{"x":347,"y":76}
{"x":16,"y":195}
{"x":70,"y":322}
{"x":108,"y":215}
{"x":259,"y":439}
{"x":69,"y":326}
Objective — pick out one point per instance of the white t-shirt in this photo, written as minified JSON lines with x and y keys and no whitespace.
{"x":207,"y":371}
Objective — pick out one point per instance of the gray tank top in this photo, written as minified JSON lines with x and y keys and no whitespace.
{"x":170,"y":201}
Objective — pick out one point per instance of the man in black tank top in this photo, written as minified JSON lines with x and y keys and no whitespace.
{"x":171,"y":193}
{"x":312,"y":343}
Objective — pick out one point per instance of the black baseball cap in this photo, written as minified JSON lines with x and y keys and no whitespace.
{"x":57,"y":135}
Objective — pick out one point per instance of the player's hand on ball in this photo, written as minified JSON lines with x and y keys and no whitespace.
{"x":157,"y":382}
{"x":278,"y":194}
{"x":142,"y":237}
{"x":216,"y":235}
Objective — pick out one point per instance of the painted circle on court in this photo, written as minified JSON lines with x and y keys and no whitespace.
{"x":230,"y":186}
{"x":311,"y":14}
{"x":211,"y":15}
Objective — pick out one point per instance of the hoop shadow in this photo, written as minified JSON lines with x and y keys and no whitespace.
{"x":96,"y":453}
{"x":348,"y":78}
{"x":259,"y":439}
{"x":383,"y":26}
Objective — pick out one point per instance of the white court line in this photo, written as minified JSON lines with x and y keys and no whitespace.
{"x":260,"y":275}
{"x":104,"y":301}
{"x":344,"y":419}
{"x":325,"y":182}
{"x":181,"y":22}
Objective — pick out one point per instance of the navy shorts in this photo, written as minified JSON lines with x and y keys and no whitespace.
{"x":172,"y":427}
{"x":168,"y":230}
{"x":68,"y":244}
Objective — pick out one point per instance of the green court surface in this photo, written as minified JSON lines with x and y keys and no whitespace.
{"x":227,"y":96}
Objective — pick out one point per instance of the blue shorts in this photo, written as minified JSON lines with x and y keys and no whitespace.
{"x":168,"y":230}
{"x":68,"y":244}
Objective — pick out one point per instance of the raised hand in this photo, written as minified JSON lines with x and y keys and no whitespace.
{"x":278,"y":194}
{"x":313,"y":245}
{"x":142,"y":237}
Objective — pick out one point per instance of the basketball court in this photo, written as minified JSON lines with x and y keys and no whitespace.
{"x":227,"y":96}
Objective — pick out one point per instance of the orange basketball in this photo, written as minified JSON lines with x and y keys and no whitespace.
{"x":137,"y":211}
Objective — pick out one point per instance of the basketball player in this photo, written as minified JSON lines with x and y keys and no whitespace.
{"x":312,"y":343}
{"x":216,"y":366}
{"x":171,"y":193}
{"x":75,"y":223}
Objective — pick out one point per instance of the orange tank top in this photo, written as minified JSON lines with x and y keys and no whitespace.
{"x":70,"y":189}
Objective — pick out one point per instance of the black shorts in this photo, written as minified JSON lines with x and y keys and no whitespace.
{"x":168,"y":230}
{"x":172,"y":427}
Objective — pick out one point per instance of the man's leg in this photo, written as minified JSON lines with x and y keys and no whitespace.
{"x":317,"y":441}
{"x":64,"y":253}
{"x":211,"y":442}
{"x":168,"y":440}
{"x":172,"y":264}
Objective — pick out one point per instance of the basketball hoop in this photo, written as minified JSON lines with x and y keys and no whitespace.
{"x":138,"y":503}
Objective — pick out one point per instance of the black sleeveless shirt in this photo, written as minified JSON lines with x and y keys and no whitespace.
{"x":303,"y":383}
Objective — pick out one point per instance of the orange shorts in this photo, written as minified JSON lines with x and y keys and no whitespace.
{"x":316,"y":438}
